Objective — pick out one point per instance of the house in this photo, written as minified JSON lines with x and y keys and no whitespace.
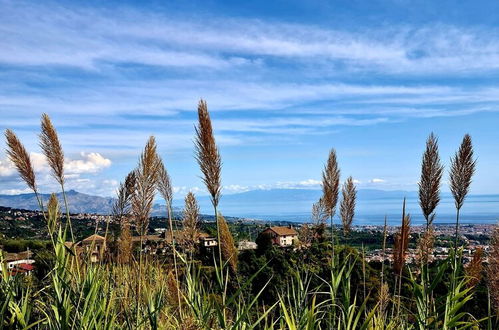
{"x":95,"y":246}
{"x":19,"y":263}
{"x":246,"y":245}
{"x":282,"y":236}
{"x":207,"y":241}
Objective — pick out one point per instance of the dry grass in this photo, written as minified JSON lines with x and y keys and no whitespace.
{"x":347,"y":207}
{"x":431,"y":175}
{"x":207,"y":154}
{"x":227,"y":245}
{"x":51,"y":147}
{"x":190,"y":221}
{"x":146,"y":178}
{"x":401,"y":243}
{"x":21,"y":159}
{"x":330,"y":184}
{"x":164,"y":184}
{"x":462,"y":170}
{"x":474,"y":269}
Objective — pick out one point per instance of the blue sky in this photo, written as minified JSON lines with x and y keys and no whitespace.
{"x":285,"y":81}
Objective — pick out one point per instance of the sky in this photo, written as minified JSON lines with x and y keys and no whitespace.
{"x":285,"y":81}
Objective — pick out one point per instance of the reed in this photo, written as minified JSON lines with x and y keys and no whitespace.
{"x":121,"y":213}
{"x":401,"y":244}
{"x":431,"y":175}
{"x":164,"y":186}
{"x":227,"y":245}
{"x":190,"y":221}
{"x":462,"y":169}
{"x":210,"y":163}
{"x":142,"y":200}
{"x":330,"y":190}
{"x":18,"y":155}
{"x":145,"y":186}
{"x":474,"y":268}
{"x":347,"y":207}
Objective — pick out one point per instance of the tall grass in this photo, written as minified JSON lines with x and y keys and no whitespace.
{"x":145,"y":293}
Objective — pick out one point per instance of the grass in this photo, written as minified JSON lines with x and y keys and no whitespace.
{"x":319,"y":289}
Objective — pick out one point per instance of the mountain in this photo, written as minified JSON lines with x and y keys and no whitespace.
{"x":78,"y":203}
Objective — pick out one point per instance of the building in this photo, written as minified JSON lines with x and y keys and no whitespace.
{"x":246,"y":245}
{"x":18,"y":263}
{"x":94,"y":246}
{"x":282,"y":236}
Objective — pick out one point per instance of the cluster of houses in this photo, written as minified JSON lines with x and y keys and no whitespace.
{"x":95,"y":246}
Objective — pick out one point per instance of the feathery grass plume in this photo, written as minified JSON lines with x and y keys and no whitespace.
{"x":330,"y":184}
{"x":210,"y":162}
{"x":401,"y":243}
{"x":51,"y":147}
{"x":330,"y":189}
{"x":164,"y":182}
{"x":431,"y":175}
{"x":53,"y":214}
{"x":474,"y":269}
{"x":493,"y":269}
{"x":424,"y":252}
{"x":190,"y":221}
{"x":125,"y":245}
{"x":461,"y":172}
{"x":319,"y":214}
{"x":121,"y":212}
{"x":207,"y":154}
{"x":121,"y":206}
{"x":145,"y":186}
{"x":347,"y":207}
{"x":21,"y":159}
{"x":227,"y":245}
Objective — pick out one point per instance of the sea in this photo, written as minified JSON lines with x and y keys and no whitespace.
{"x":477,"y":209}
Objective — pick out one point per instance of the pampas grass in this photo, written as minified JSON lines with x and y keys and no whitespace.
{"x":330,"y":189}
{"x":145,"y":187}
{"x":18,"y":155}
{"x":21,"y":159}
{"x":190,"y":221}
{"x":121,"y":212}
{"x":461,"y":172}
{"x":431,"y":175}
{"x":210,"y":163}
{"x":207,"y":154}
{"x":347,"y":207}
{"x":401,"y":243}
{"x":51,"y":147}
{"x":227,"y":245}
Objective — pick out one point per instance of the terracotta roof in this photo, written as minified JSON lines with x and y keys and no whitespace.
{"x":94,"y":237}
{"x":17,"y":256}
{"x":283,"y":231}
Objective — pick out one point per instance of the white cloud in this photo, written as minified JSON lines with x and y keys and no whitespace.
{"x":90,"y":163}
{"x":6,"y":168}
{"x":377,"y":180}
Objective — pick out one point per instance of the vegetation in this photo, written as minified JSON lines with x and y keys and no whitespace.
{"x":316,"y":284}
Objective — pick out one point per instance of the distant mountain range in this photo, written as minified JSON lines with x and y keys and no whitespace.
{"x":78,"y":203}
{"x":84,"y":203}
